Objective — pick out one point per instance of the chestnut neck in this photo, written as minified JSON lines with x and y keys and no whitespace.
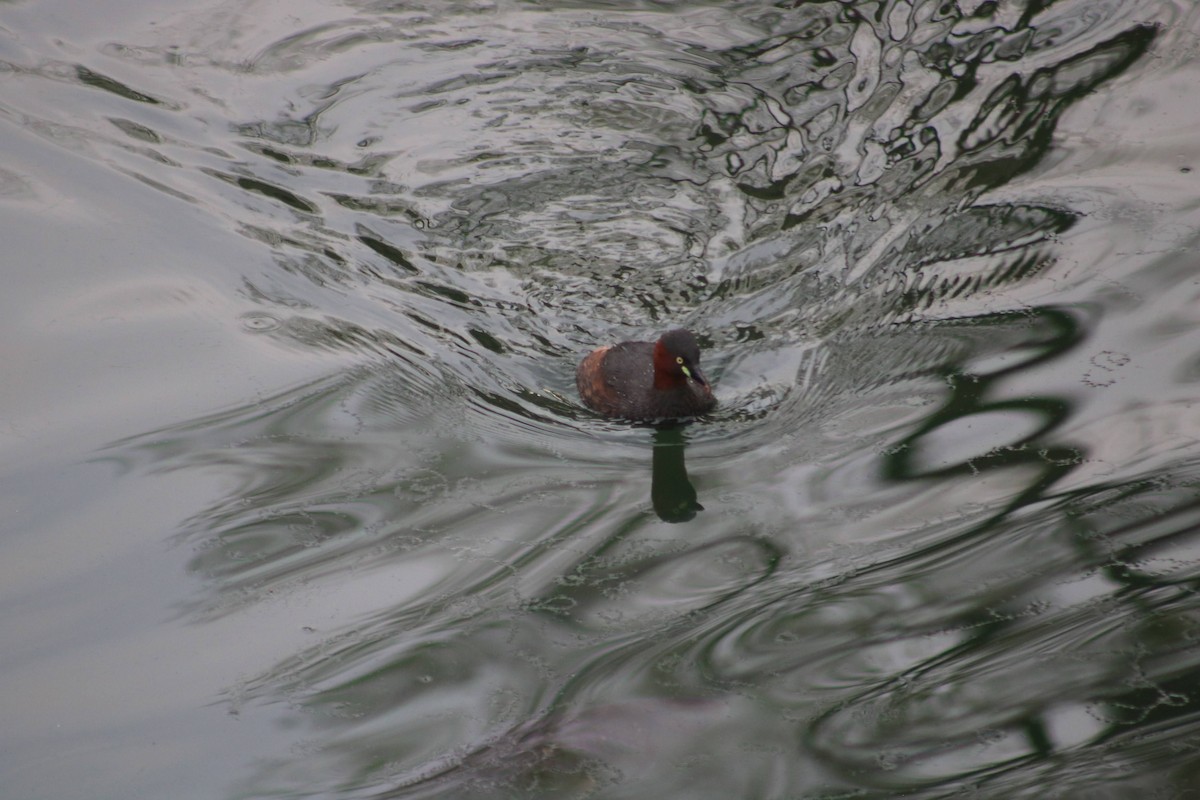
{"x":666,"y":373}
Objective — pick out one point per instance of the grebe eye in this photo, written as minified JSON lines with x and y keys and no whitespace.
{"x":678,"y":359}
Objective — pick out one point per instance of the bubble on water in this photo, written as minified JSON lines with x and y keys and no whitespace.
{"x":259,"y":322}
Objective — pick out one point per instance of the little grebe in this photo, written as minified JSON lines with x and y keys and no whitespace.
{"x":644,"y":380}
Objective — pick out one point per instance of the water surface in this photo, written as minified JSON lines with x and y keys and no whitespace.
{"x":301,"y":501}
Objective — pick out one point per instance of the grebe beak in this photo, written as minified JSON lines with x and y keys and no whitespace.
{"x":695,"y":374}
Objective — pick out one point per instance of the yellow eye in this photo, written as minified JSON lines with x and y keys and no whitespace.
{"x":678,"y":359}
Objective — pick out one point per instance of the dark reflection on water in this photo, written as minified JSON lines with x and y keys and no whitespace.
{"x":912,"y":576}
{"x":1053,"y":332}
{"x":672,"y":494}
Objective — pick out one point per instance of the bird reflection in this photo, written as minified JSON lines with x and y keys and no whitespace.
{"x":671,"y":492}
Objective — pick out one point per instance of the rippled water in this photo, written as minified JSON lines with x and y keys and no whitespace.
{"x":301,"y":501}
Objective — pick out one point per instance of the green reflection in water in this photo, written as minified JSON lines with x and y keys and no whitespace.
{"x":535,"y":631}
